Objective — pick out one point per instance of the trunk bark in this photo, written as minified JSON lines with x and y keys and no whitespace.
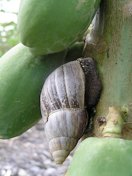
{"x":111,"y":47}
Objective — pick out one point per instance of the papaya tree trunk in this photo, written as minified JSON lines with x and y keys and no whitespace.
{"x":111,"y":47}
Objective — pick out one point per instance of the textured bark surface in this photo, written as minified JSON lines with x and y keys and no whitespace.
{"x":111,"y":46}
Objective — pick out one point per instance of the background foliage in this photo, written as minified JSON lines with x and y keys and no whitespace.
{"x":8,"y":20}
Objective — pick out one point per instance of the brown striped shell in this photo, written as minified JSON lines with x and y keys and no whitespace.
{"x":63,"y":106}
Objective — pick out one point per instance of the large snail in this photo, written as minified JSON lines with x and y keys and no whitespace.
{"x":67,"y":94}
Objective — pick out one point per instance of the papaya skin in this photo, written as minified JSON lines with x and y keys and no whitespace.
{"x":21,"y":79}
{"x":48,"y":26}
{"x":102,"y":156}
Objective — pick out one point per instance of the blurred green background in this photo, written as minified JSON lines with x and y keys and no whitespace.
{"x":8,"y":27}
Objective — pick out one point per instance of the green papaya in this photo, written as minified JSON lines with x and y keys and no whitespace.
{"x":21,"y":78}
{"x":48,"y":26}
{"x":102,"y":157}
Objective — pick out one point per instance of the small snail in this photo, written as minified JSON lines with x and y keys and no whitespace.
{"x":66,"y":95}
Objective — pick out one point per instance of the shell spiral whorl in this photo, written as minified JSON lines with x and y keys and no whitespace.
{"x":63,"y":130}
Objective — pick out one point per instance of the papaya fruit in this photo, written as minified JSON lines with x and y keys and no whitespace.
{"x":48,"y":26}
{"x":21,"y":79}
{"x":102,"y":157}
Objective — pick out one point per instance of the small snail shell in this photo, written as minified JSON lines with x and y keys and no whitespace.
{"x":63,"y":106}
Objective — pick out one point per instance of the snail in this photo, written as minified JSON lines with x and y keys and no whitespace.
{"x":67,"y":94}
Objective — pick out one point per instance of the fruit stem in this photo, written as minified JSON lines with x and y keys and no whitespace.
{"x":115,"y":121}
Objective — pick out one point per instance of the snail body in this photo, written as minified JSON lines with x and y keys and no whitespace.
{"x":63,"y":106}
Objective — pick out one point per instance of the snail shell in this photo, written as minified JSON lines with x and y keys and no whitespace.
{"x":63,"y":107}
